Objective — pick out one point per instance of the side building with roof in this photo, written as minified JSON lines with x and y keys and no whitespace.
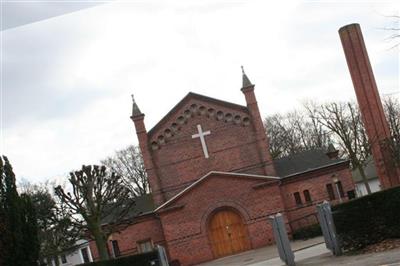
{"x":214,"y":183}
{"x":372,"y":178}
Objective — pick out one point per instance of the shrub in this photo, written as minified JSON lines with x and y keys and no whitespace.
{"x":143,"y":259}
{"x":307,"y":232}
{"x":369,"y":219}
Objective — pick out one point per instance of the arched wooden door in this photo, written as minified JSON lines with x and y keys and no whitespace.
{"x":227,"y":233}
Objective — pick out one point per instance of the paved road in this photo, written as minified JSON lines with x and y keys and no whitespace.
{"x":309,"y":253}
{"x":317,"y":250}
{"x":262,"y":254}
{"x":387,"y":258}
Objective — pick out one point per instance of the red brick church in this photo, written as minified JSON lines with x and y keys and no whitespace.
{"x":214,"y":184}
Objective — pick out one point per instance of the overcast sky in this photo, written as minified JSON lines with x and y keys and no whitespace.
{"x":67,"y":77}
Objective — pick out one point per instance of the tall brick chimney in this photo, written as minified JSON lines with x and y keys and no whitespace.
{"x":262,"y":140}
{"x":369,"y":103}
{"x":154,"y":181}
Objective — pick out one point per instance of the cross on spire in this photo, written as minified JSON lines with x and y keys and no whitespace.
{"x":135,"y":108}
{"x":201,"y":135}
{"x":246,"y":80}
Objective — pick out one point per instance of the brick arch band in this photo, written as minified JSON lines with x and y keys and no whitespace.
{"x":220,"y":205}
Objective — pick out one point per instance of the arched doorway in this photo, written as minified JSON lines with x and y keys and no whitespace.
{"x":227,"y":233}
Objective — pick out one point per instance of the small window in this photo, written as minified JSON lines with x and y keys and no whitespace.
{"x":145,"y":246}
{"x":115,"y":248}
{"x":63,"y":259}
{"x":307,"y":196}
{"x":85,"y":255}
{"x":331,"y":193}
{"x":340,"y":188}
{"x":55,"y":259}
{"x":297,"y":198}
{"x":351,"y":194}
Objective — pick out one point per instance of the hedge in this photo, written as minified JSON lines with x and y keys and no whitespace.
{"x":143,"y":259}
{"x":307,"y":232}
{"x":369,"y":219}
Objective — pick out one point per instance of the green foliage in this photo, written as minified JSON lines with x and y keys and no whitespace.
{"x":143,"y":259}
{"x":18,"y":235}
{"x":56,"y":230}
{"x":369,"y":219}
{"x":307,"y":232}
{"x":29,"y":231}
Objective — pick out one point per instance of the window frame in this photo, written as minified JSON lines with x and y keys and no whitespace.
{"x":331,"y":191}
{"x":63,"y":259}
{"x":340,"y":189}
{"x":116,"y":252}
{"x":144,"y":241}
{"x":297,"y":198}
{"x":307,"y":196}
{"x":87,"y":254}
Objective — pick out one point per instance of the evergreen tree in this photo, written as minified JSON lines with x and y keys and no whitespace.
{"x":29,"y":231}
{"x":18,"y":231}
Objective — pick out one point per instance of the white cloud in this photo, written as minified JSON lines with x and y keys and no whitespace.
{"x":97,"y":57}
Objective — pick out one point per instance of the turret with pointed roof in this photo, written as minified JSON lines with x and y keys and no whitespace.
{"x":135,"y":109}
{"x":252,"y":106}
{"x":246,"y":81}
{"x":154,"y":181}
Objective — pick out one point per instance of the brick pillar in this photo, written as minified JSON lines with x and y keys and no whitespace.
{"x":369,"y":103}
{"x":154,"y":181}
{"x":261,"y":137}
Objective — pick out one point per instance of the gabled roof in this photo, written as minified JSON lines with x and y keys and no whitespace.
{"x":192,"y":95}
{"x":143,"y":204}
{"x":304,"y":162}
{"x":230,"y":174}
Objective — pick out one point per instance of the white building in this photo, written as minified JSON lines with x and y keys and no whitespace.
{"x":372,"y":177}
{"x":78,"y":254}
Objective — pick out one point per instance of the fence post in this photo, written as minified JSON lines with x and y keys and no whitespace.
{"x":282,"y":239}
{"x":162,"y":256}
{"x":328,"y":228}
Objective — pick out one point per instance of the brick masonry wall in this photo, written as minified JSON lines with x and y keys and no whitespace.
{"x":315,"y":182}
{"x":144,"y":228}
{"x":185,"y":223}
{"x":231,"y":145}
{"x":182,"y":226}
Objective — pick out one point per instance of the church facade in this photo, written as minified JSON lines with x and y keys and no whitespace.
{"x":214,"y":183}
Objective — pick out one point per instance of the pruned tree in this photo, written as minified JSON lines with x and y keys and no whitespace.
{"x":344,"y":120}
{"x":99,"y":202}
{"x":294,"y":132}
{"x":128,"y":163}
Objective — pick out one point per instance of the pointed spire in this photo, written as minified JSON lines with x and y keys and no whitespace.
{"x":332,"y":152}
{"x":246,"y":81}
{"x":135,"y":109}
{"x":331,"y":148}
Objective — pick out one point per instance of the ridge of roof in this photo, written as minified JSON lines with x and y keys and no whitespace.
{"x":196,"y":96}
{"x":304,"y":161}
{"x":316,"y":168}
{"x":207,"y":175}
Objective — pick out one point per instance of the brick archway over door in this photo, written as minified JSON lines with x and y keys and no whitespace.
{"x":227,"y":233}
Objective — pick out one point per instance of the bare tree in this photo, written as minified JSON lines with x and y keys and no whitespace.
{"x":128,"y":163}
{"x":99,"y":203}
{"x":344,"y":120}
{"x":294,"y":132}
{"x":392,"y":110}
{"x":395,"y":30}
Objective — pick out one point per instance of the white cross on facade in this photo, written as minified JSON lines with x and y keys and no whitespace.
{"x":201,"y":135}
